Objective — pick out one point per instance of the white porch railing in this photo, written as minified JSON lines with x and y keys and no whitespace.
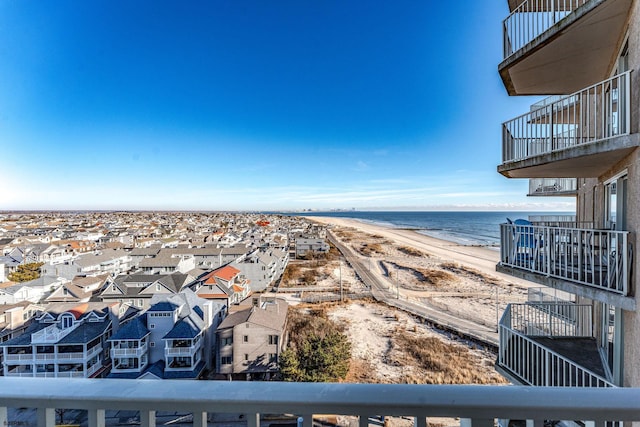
{"x":593,"y":114}
{"x":51,"y":334}
{"x":595,"y":258}
{"x":536,"y":364}
{"x":128,"y":352}
{"x":19,"y":357}
{"x":552,"y":186}
{"x":474,"y":405}
{"x":181,"y":351}
{"x":531,"y":19}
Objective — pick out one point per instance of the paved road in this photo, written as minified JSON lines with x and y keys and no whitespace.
{"x":385,"y":291}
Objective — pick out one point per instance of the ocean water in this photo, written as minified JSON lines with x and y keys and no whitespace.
{"x":466,"y":228}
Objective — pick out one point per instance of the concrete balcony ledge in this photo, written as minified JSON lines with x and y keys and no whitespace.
{"x":553,"y":47}
{"x":475,"y":405}
{"x":580,"y":135}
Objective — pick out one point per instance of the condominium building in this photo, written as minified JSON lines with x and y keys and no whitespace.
{"x":581,"y":140}
{"x":68,"y":340}
{"x":173,"y":339}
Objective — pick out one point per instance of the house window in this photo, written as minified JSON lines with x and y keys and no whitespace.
{"x":246,"y":356}
{"x":273,"y":339}
{"x":273,"y":358}
{"x":152,"y":344}
{"x":245,"y":338}
{"x":152,"y":325}
{"x":227,"y":341}
{"x":226,"y":360}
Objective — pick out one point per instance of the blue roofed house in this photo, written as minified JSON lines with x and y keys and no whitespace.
{"x":66,"y":341}
{"x":173,"y":339}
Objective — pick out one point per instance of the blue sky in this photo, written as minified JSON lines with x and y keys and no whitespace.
{"x":255,"y":105}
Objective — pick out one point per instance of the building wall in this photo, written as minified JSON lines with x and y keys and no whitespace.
{"x":257,"y":348}
{"x":591,"y":207}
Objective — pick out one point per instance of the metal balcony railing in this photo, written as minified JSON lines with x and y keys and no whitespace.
{"x":531,"y":19}
{"x":593,"y":114}
{"x":552,"y":186}
{"x":534,"y":363}
{"x":473,"y":405}
{"x":595,"y":258}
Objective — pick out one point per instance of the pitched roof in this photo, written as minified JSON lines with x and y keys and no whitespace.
{"x":133,"y":330}
{"x":226,"y":273}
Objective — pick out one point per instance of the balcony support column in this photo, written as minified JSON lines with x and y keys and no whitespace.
{"x":363,"y":421}
{"x":96,"y":418}
{"x":420,"y":422}
{"x":46,"y":417}
{"x":148,"y":418}
{"x":477,"y":422}
{"x":253,"y":420}
{"x":535,"y":423}
{"x":307,"y":420}
{"x":3,"y":416}
{"x":199,"y":419}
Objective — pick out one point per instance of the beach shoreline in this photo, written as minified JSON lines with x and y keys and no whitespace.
{"x":479,"y":257}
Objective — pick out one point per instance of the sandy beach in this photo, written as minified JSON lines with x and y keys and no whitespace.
{"x":453,"y":278}
{"x":481,"y":258}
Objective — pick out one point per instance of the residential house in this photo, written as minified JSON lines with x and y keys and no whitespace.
{"x":113,"y":261}
{"x":251,"y":340}
{"x":263,"y":267}
{"x":66,"y":341}
{"x":164,"y":262}
{"x":310,"y":246}
{"x":225,"y":284}
{"x":33,"y":291}
{"x":587,"y":55}
{"x":138,"y":289}
{"x":173,"y":339}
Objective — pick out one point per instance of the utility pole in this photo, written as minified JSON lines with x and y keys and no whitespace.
{"x":340,"y":274}
{"x":497,"y":310}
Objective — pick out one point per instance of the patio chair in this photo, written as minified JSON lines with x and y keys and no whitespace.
{"x":526,"y":244}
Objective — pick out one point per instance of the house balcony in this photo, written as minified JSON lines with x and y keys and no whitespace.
{"x":592,"y":263}
{"x":550,"y":345}
{"x":559,"y":46}
{"x":129,"y":352}
{"x":474,"y":406}
{"x":581,"y":135}
{"x":561,"y":187}
{"x":188,"y":351}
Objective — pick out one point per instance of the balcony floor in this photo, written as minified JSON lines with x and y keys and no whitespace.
{"x":583,"y":351}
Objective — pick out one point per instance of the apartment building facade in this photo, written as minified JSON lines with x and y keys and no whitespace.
{"x":580,"y":140}
{"x":250,"y":340}
{"x":66,"y":341}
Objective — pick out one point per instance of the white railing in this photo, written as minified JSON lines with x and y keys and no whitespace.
{"x":595,"y":258}
{"x":551,"y":319}
{"x":124,"y":352}
{"x":19,"y":357}
{"x":531,"y":19}
{"x":552,"y":186}
{"x":51,"y":334}
{"x":94,"y":368}
{"x":181,"y":351}
{"x":536,"y":364}
{"x":593,"y":114}
{"x":474,"y":405}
